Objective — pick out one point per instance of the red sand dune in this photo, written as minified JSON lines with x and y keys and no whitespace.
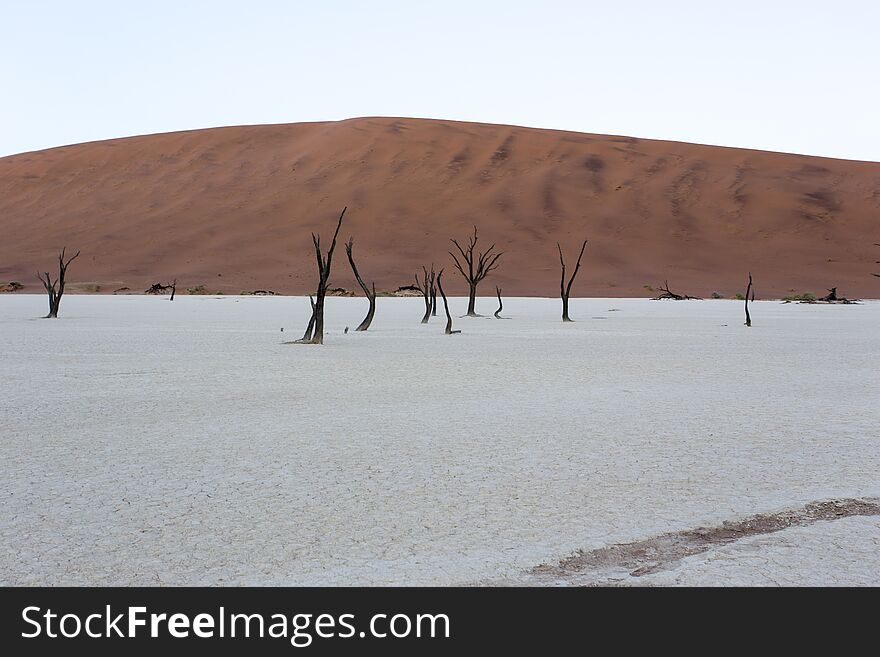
{"x":232,"y":209}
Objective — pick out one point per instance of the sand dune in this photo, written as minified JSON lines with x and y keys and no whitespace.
{"x":232,"y":209}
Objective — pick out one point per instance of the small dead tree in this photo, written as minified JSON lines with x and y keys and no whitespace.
{"x":500,"y":305}
{"x":672,"y":295}
{"x":157,"y":288}
{"x":831,"y":296}
{"x":173,"y":289}
{"x":877,"y":262}
{"x":316,"y":323}
{"x":364,"y":325}
{"x":449,"y":330}
{"x":565,"y":290}
{"x":748,"y":292}
{"x":55,"y":289}
{"x":477,"y":267}
{"x":427,"y":286}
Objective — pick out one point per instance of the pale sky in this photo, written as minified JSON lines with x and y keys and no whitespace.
{"x":791,"y":76}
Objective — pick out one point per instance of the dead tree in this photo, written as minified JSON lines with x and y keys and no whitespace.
{"x":307,"y":336}
{"x":173,"y":289}
{"x":316,"y":323}
{"x":55,"y":289}
{"x":672,"y":295}
{"x":433,"y":299}
{"x":565,"y":290}
{"x":157,"y":288}
{"x":429,"y":291}
{"x":477,"y":269}
{"x":449,"y":330}
{"x":364,"y":325}
{"x":877,"y":262}
{"x":500,"y":305}
{"x":831,"y":296}
{"x":749,"y":291}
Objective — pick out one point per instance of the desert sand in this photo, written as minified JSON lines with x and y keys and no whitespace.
{"x":182,"y":443}
{"x":232,"y":209}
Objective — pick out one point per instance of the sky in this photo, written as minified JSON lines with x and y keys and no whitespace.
{"x":798,"y":77}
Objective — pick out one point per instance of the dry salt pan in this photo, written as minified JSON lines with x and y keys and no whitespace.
{"x":148,"y":442}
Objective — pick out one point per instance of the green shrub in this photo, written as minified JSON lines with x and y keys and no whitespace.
{"x":715,"y":295}
{"x":806,"y":296}
{"x":198,"y":289}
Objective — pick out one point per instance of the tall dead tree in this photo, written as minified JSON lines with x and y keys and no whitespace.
{"x":316,"y":323}
{"x":449,"y":330}
{"x":433,"y":298}
{"x":565,"y":290}
{"x":427,"y":287}
{"x":748,"y":292}
{"x":477,"y":267}
{"x":364,"y":325}
{"x":55,"y":289}
{"x":173,"y":289}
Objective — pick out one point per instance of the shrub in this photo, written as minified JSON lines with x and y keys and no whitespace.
{"x":715,"y":295}
{"x":806,"y":296}
{"x":198,"y":289}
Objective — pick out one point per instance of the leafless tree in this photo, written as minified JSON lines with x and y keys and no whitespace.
{"x":748,"y":292}
{"x":565,"y":290}
{"x":433,"y":299}
{"x":173,"y":289}
{"x":500,"y":305}
{"x":478,"y":267}
{"x":157,"y":288}
{"x":371,"y":295}
{"x":55,"y":289}
{"x":449,"y":330}
{"x":672,"y":295}
{"x":315,"y":331}
{"x":427,"y":287}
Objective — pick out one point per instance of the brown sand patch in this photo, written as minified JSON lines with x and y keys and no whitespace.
{"x":664,"y":551}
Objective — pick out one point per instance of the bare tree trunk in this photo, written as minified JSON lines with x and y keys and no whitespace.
{"x":316,"y":323}
{"x":173,"y":289}
{"x":364,"y":325}
{"x":55,"y":289}
{"x":565,"y":291}
{"x":500,"y":305}
{"x":472,"y":301}
{"x":749,"y":291}
{"x":307,"y":336}
{"x":477,"y":269}
{"x":429,"y":292}
{"x":449,"y":330}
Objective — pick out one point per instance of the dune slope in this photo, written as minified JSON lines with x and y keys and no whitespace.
{"x":232,"y":209}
